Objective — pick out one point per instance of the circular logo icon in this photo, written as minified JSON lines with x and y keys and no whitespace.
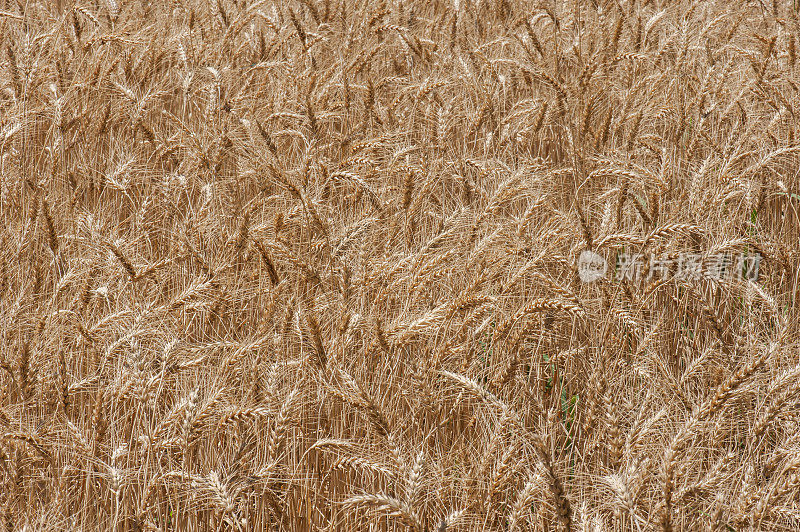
{"x":591,"y":266}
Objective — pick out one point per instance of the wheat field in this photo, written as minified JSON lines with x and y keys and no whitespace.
{"x":315,"y":265}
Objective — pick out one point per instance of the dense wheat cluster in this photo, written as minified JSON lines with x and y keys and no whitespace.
{"x":313,"y":265}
